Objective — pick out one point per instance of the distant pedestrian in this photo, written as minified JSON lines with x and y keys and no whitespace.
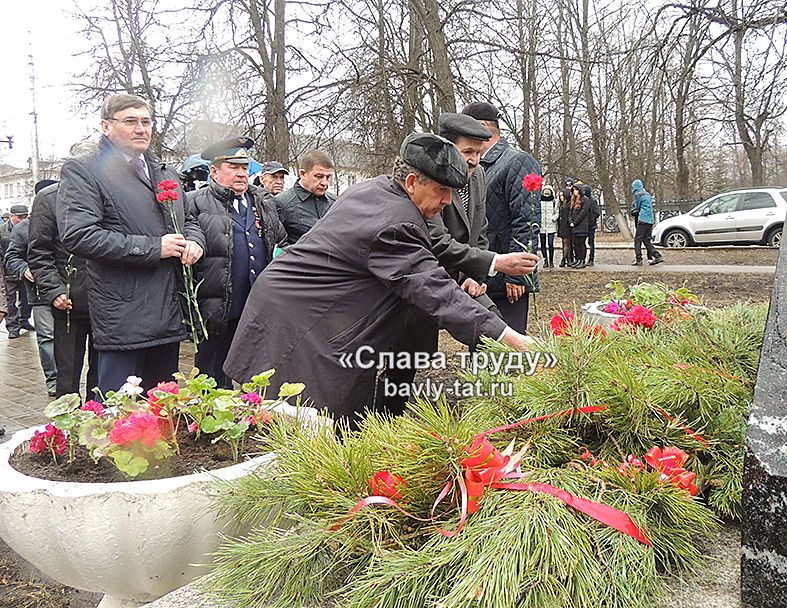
{"x":643,"y":211}
{"x":595,"y":214}
{"x":550,"y":211}
{"x":579,"y":221}
{"x":301,"y":206}
{"x":3,"y":312}
{"x":16,"y":296}
{"x":564,"y":224}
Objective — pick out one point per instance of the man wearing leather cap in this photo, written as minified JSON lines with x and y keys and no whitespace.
{"x":241,"y":230}
{"x":344,"y":285}
{"x":513,"y":213}
{"x":16,"y":295}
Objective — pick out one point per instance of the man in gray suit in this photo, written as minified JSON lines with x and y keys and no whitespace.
{"x":341,"y":289}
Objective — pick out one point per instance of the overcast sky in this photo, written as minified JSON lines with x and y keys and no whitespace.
{"x":46,"y":25}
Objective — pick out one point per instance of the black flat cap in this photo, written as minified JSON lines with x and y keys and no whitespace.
{"x":41,"y":184}
{"x":435,"y":157}
{"x":463,"y":125}
{"x":232,"y":150}
{"x":481,"y":110}
{"x":19,"y":210}
{"x":273,"y":166}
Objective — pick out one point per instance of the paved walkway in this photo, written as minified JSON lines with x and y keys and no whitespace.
{"x":23,"y":394}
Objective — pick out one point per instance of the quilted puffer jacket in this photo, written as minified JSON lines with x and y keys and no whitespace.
{"x":513,"y":212}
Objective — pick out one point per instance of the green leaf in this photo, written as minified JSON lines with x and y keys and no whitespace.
{"x":63,"y":405}
{"x":289,"y":389}
{"x":129,"y":464}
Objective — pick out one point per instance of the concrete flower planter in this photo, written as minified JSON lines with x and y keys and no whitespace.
{"x":593,"y":313}
{"x":133,"y":541}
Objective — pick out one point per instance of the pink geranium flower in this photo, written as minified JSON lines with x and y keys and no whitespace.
{"x":138,"y":426}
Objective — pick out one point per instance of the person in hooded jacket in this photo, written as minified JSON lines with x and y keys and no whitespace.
{"x":241,"y":229}
{"x":564,"y":224}
{"x":643,"y":210}
{"x":579,"y":220}
{"x":550,"y":212}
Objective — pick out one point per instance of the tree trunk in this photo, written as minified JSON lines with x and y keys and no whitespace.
{"x":442,"y":77}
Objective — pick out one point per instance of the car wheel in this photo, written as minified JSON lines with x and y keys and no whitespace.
{"x":676,"y":238}
{"x":774,"y":238}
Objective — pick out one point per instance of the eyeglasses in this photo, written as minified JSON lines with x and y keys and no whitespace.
{"x":129,"y":122}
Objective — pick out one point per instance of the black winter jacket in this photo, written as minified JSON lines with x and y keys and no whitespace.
{"x":211,"y":206}
{"x":107,"y":214}
{"x":512,"y":211}
{"x":299,"y":210}
{"x":581,"y":218}
{"x":52,"y":266}
{"x":16,"y":260}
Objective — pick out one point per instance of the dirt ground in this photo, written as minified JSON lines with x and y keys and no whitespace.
{"x":21,"y":587}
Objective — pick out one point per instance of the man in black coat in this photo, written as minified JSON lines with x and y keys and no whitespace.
{"x":513,"y":212}
{"x":61,"y":281}
{"x":16,"y":299}
{"x":301,"y":206}
{"x":241,"y":231}
{"x":344,"y":285}
{"x":108,"y":213}
{"x":17,"y":265}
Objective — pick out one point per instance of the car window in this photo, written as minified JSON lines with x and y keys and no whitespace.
{"x":784,"y":195}
{"x":697,"y":212}
{"x":726,"y":203}
{"x":756,"y":200}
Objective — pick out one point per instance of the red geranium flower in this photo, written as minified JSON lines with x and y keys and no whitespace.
{"x":532,"y":182}
{"x":95,"y":407}
{"x":138,"y":426}
{"x":52,"y":438}
{"x":561,"y":322}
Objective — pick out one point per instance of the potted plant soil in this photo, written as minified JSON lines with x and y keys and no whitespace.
{"x":120,"y":498}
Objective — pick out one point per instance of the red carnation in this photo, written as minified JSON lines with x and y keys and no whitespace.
{"x":167,"y":195}
{"x":532,"y":182}
{"x":168,"y":184}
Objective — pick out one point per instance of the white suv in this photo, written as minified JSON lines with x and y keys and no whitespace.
{"x":754,"y":215}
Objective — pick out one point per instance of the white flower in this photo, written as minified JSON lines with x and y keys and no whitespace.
{"x":132,"y":386}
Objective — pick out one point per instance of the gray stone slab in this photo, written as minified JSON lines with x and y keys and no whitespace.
{"x":764,"y":527}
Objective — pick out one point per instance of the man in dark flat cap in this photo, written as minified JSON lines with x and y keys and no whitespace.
{"x":460,"y":244}
{"x":241,"y":230}
{"x":272,"y":177}
{"x":513,"y":213}
{"x":344,"y":285}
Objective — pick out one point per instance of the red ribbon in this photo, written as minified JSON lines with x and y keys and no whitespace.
{"x":669,"y":462}
{"x":484,"y":467}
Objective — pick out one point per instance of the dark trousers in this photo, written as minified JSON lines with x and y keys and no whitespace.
{"x":70,"y":343}
{"x":155,"y":364}
{"x":579,"y":247}
{"x":644,"y":236}
{"x":212,"y":354}
{"x":18,"y":308}
{"x":591,"y":244}
{"x":515,"y":315}
{"x":548,"y":247}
